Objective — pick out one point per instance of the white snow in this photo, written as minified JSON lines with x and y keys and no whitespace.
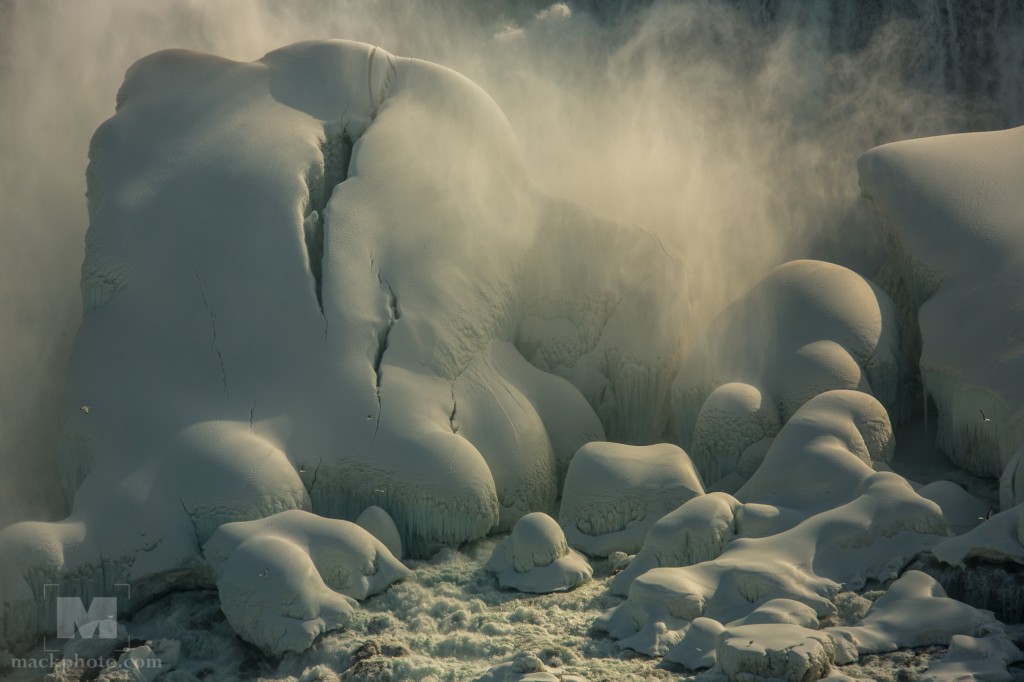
{"x":297,"y":299}
{"x":950,"y":207}
{"x":614,"y":493}
{"x":844,"y":525}
{"x":913,"y":612}
{"x":1000,"y":538}
{"x":380,"y":525}
{"x":285,"y":579}
{"x":535,"y":557}
{"x":808,"y":327}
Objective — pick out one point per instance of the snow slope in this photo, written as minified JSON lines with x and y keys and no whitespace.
{"x":306,"y":282}
{"x":951,"y":210}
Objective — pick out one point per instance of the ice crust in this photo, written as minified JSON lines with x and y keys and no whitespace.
{"x":808,"y":327}
{"x":536,"y":558}
{"x":614,"y":493}
{"x":296,"y":300}
{"x":950,"y":208}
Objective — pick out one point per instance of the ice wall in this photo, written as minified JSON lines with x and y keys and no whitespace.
{"x":950,"y":207}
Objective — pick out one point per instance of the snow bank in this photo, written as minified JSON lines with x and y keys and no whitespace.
{"x":950,"y":207}
{"x":998,"y":539}
{"x":614,"y":493}
{"x":307,"y":282}
{"x":806,"y":328}
{"x":285,"y":579}
{"x":913,"y":612}
{"x":536,"y":558}
{"x":975,"y":658}
{"x":838,"y":523}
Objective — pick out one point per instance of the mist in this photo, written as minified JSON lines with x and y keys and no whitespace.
{"x":730,"y":130}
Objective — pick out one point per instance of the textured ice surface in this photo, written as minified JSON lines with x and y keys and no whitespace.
{"x":286,"y":579}
{"x":950,"y":207}
{"x":806,"y":328}
{"x":535,"y":557}
{"x":614,"y":493}
{"x":307,"y":282}
{"x":778,"y":651}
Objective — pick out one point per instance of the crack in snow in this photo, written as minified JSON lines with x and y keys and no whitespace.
{"x":391,"y":300}
{"x":453,"y":414}
{"x":213,"y":324}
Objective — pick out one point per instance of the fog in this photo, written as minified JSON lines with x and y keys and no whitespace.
{"x":730,"y":130}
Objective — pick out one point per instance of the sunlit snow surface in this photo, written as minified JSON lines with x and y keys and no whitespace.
{"x":357,"y":306}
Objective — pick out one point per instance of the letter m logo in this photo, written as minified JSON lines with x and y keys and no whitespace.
{"x":102,"y":616}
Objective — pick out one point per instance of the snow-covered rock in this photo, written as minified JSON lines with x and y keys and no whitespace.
{"x":536,"y":558}
{"x":778,"y":651}
{"x":287,"y":578}
{"x":975,"y":658}
{"x":526,"y":667}
{"x":999,"y":539}
{"x":913,"y":612}
{"x":963,"y":511}
{"x":843,"y":524}
{"x":806,"y":328}
{"x":144,"y":663}
{"x":950,"y":208}
{"x":306,"y":285}
{"x":380,"y":525}
{"x":614,"y":493}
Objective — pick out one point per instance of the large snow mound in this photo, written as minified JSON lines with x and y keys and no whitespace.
{"x":808,"y":327}
{"x":614,"y":493}
{"x":951,"y":210}
{"x":306,"y":283}
{"x":814,"y":517}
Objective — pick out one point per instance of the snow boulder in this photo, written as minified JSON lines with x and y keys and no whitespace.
{"x":526,"y":667}
{"x":914,"y":612}
{"x":950,"y":208}
{"x":778,"y":652}
{"x":821,"y":517}
{"x":287,"y":578}
{"x":380,"y":525}
{"x":614,"y":493}
{"x":998,"y":539}
{"x":312,"y":282}
{"x":808,"y":327}
{"x":536,"y":558}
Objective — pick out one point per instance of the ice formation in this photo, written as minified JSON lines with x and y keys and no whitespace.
{"x":380,"y":525}
{"x":296,"y":299}
{"x":913,"y":612}
{"x":821,"y":518}
{"x":950,"y":207}
{"x":806,"y":328}
{"x":536,"y":558}
{"x":1000,"y":538}
{"x":614,"y":493}
{"x":285,"y":579}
